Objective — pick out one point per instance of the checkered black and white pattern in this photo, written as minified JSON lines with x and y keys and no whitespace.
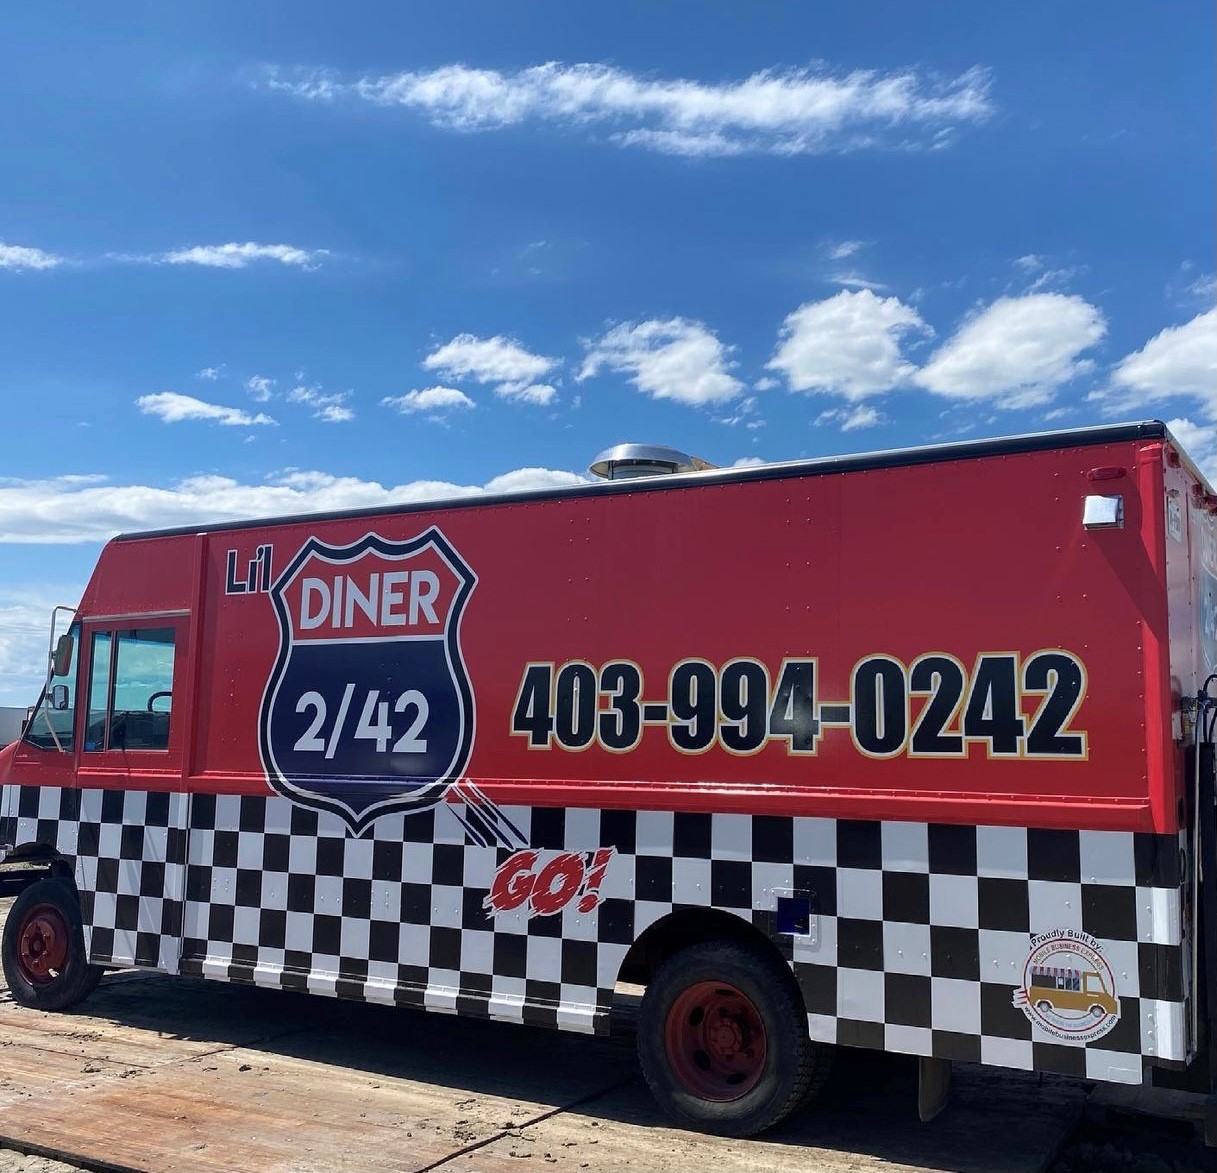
{"x":917,"y":938}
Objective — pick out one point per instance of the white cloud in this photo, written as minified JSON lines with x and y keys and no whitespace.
{"x":18,"y":257}
{"x":1190,"y":287}
{"x":848,"y":344}
{"x":781,"y":112}
{"x":210,"y":374}
{"x":671,"y":359}
{"x":855,"y":280}
{"x":843,"y":248}
{"x":1055,"y":278}
{"x":747,"y":462}
{"x":524,"y":480}
{"x":259,"y":387}
{"x":25,"y":622}
{"x":64,"y":509}
{"x":1041,"y":273}
{"x":238,"y":256}
{"x":174,"y":408}
{"x":488,"y":360}
{"x":331,"y":407}
{"x":1204,"y":287}
{"x":435,"y":400}
{"x":743,"y":412}
{"x":1178,"y":362}
{"x":852,"y":418}
{"x":1017,"y":351}
{"x":524,"y":392}
{"x":861,"y":417}
{"x":499,"y":360}
{"x":707,"y":144}
{"x":1200,"y":443}
{"x":232,"y":255}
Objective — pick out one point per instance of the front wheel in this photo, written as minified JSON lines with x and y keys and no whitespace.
{"x":723,"y":1042}
{"x":43,"y":950}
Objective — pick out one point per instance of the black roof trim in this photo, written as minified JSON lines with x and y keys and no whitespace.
{"x":821,"y":466}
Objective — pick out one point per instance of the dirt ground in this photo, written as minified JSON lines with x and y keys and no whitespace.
{"x":12,"y":1162}
{"x":1141,"y":1148}
{"x":161,"y":1074}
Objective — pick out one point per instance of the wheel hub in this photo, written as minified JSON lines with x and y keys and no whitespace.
{"x":716,"y":1042}
{"x":725,"y":1036}
{"x":43,"y":943}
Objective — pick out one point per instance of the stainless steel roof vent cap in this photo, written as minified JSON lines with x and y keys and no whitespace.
{"x":625,"y":462}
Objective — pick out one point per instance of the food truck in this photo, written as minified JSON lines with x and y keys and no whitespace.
{"x":849,"y":752}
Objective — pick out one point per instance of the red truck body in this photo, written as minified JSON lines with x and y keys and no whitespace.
{"x":903,"y":716}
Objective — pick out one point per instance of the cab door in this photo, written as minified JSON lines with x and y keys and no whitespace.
{"x":131,"y":854}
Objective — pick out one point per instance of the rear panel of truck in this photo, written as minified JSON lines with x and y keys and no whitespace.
{"x":1191,"y":558}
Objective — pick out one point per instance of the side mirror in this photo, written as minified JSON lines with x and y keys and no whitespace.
{"x":59,"y":696}
{"x":61,"y":661}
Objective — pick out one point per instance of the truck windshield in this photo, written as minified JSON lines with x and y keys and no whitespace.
{"x":52,"y":723}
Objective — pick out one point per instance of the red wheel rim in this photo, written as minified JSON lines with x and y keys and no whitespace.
{"x":43,"y":944}
{"x":715,"y":1040}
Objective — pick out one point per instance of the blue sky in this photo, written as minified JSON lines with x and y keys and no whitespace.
{"x":260,"y":258}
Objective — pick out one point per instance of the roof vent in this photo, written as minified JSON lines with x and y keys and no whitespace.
{"x":625,"y":462}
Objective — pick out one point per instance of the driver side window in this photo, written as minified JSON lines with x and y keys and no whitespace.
{"x":130,"y":689}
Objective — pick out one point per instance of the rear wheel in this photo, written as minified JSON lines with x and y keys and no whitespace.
{"x":723,"y":1042}
{"x":43,"y":949}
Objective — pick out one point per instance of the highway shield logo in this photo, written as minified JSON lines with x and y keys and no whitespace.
{"x":369,"y":707}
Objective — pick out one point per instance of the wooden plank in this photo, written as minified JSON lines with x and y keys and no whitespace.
{"x":356,"y":1106}
{"x":129,"y":1022}
{"x":176,"y":1074}
{"x":163,"y":1074}
{"x":25,"y":1072}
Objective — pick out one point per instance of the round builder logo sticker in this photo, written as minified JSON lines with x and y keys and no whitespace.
{"x":1068,"y":988}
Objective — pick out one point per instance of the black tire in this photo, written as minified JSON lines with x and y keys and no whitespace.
{"x":794,"y":1067}
{"x":76,"y":978}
